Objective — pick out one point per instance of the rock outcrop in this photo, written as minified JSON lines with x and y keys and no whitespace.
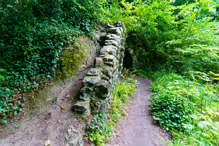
{"x":99,"y":83}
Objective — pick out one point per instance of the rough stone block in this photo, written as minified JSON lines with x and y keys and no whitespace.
{"x":113,"y":37}
{"x":100,"y":105}
{"x":104,"y":77}
{"x":108,"y":50}
{"x":74,"y":137}
{"x":109,"y":58}
{"x":91,"y":80}
{"x":98,"y":62}
{"x":82,"y":107}
{"x":112,"y":42}
{"x":121,"y":25}
{"x":85,"y":93}
{"x":115,"y":30}
{"x":108,"y":71}
{"x":103,"y":89}
{"x":94,"y":72}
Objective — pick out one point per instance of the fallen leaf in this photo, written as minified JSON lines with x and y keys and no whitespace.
{"x":89,"y":118}
{"x":48,"y":143}
{"x":63,"y":108}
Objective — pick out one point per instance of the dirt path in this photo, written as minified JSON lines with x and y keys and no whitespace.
{"x":138,"y":128}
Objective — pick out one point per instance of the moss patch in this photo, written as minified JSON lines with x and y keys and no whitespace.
{"x":75,"y":57}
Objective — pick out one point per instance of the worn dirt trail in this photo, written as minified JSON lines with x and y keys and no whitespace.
{"x":138,"y":129}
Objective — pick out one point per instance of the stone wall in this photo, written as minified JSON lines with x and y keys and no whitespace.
{"x":99,"y":83}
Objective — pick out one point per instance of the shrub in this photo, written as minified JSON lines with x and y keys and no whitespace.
{"x":186,"y":108}
{"x":172,"y":112}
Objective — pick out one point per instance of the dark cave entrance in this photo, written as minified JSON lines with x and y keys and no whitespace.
{"x":128,"y":60}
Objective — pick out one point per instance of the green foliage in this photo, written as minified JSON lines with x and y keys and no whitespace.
{"x":195,"y":57}
{"x":74,"y":57}
{"x":33,"y":34}
{"x":101,"y":127}
{"x":157,"y":30}
{"x":171,"y":111}
{"x":201,"y":77}
{"x":181,"y":2}
{"x":99,"y":131}
{"x":185,"y":106}
{"x":180,"y":40}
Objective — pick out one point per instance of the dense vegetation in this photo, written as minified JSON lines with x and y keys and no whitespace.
{"x":176,"y":43}
{"x":33,"y":34}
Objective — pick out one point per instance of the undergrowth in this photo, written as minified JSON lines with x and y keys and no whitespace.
{"x":101,"y":127}
{"x":33,"y":35}
{"x":187,"y":108}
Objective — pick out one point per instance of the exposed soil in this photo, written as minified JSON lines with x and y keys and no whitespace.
{"x":138,"y":129}
{"x":49,"y":123}
{"x":34,"y":131}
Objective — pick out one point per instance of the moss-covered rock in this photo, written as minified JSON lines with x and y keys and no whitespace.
{"x":75,"y":57}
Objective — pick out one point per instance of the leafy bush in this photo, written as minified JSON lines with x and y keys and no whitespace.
{"x":186,"y":108}
{"x":99,"y":131}
{"x":171,"y":111}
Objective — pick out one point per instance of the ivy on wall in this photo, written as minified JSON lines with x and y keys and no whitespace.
{"x":33,"y":35}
